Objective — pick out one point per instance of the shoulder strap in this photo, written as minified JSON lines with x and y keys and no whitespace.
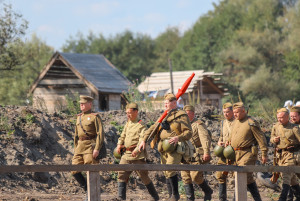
{"x":82,"y":126}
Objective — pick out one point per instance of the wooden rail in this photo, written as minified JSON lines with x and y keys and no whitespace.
{"x":93,"y":177}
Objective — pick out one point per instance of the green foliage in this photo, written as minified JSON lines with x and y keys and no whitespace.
{"x":6,"y":126}
{"x":73,"y":106}
{"x":12,"y":28}
{"x":29,"y":118}
{"x":114,"y":175}
{"x":117,"y":126}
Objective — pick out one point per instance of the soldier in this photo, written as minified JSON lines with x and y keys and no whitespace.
{"x":295,"y":115}
{"x":286,"y":137}
{"x":201,"y":140}
{"x":245,"y":135}
{"x":176,"y":128}
{"x":224,"y":138}
{"x":132,"y":134}
{"x":88,"y":139}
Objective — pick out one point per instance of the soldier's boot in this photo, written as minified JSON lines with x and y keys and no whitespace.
{"x":189,"y":191}
{"x":174,"y":184}
{"x":296,"y":191}
{"x":254,"y":191}
{"x":284,"y":192}
{"x":121,"y":190}
{"x":290,"y":196}
{"x":169,"y":187}
{"x":152,"y":191}
{"x":207,"y":190}
{"x":222,"y":192}
{"x":81,"y":180}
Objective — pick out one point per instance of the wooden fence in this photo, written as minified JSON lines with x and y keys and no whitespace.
{"x":93,"y":177}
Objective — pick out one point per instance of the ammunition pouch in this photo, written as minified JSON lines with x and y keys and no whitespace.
{"x":186,"y":149}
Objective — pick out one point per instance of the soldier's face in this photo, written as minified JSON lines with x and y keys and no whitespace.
{"x":239,"y":113}
{"x":169,"y":105}
{"x":228,"y":113}
{"x":283,"y":118}
{"x":85,"y":106}
{"x":191,"y":114}
{"x":131,"y":114}
{"x":295,"y":117}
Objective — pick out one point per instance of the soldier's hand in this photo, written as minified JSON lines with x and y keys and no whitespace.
{"x":206,"y":157}
{"x":95,"y":154}
{"x":142,"y":146}
{"x":227,"y":143}
{"x":174,"y":140}
{"x":119,"y":147}
{"x":276,"y":139}
{"x":134,"y":154}
{"x":264,"y":159}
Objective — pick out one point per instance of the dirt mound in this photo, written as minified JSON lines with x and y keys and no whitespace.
{"x":29,"y":136}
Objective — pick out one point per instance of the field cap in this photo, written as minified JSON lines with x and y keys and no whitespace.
{"x":85,"y":99}
{"x":282,"y":110}
{"x":238,"y":105}
{"x":132,"y":106}
{"x":295,"y":109}
{"x":170,"y":97}
{"x":227,"y":105}
{"x":189,"y":108}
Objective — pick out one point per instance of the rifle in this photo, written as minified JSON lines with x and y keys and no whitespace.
{"x":275,"y":175}
{"x":179,"y":93}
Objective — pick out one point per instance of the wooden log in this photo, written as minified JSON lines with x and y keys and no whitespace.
{"x":240,"y":186}
{"x":93,"y":186}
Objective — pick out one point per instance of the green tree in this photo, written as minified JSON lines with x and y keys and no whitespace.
{"x":12,"y":28}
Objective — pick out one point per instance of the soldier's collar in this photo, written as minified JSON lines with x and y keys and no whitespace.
{"x":87,"y":112}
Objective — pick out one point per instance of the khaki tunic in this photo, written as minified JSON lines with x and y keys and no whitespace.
{"x":224,"y":137}
{"x":132,"y":135}
{"x":179,"y":126}
{"x":201,"y":140}
{"x":245,"y":134}
{"x":289,"y":136}
{"x":83,"y":149}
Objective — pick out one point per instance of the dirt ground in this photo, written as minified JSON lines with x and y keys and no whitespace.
{"x":29,"y":136}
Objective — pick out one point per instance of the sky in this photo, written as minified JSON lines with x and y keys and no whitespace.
{"x":55,"y":21}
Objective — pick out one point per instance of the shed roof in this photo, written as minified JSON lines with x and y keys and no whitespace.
{"x":94,"y":70}
{"x":161,"y":80}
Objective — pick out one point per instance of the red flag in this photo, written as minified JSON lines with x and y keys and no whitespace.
{"x":179,"y":93}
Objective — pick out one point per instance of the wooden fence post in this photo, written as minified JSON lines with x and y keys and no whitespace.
{"x":93,"y":186}
{"x":240,"y":186}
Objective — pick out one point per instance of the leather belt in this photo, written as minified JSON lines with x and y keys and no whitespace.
{"x":131,"y":148}
{"x":293,"y":148}
{"x":241,"y":148}
{"x":82,"y":138}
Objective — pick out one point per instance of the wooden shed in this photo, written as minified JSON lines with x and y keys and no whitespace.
{"x":205,"y":86}
{"x":84,"y":74}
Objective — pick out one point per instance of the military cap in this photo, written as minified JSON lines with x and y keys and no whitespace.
{"x":132,"y":106}
{"x":295,"y":109}
{"x":282,"y":110}
{"x":170,"y":97}
{"x":238,"y":105}
{"x":227,"y":105}
{"x":85,"y":99}
{"x":189,"y":108}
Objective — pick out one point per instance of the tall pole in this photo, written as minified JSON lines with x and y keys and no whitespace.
{"x":171,"y":74}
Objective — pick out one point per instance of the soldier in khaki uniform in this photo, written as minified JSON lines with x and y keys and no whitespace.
{"x":201,"y":140}
{"x":224,"y":139}
{"x":179,"y":130}
{"x":295,"y":119}
{"x":131,"y":136}
{"x":286,"y":137}
{"x":88,"y":139}
{"x":245,"y":135}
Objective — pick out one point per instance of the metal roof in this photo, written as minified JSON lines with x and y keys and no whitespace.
{"x":161,"y":80}
{"x":98,"y":71}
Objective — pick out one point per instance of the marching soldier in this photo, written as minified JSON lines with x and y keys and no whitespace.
{"x":295,"y":119}
{"x":201,"y":140}
{"x":224,"y":138}
{"x":176,"y":128}
{"x":88,"y":139}
{"x":245,"y":135}
{"x":132,"y":134}
{"x":286,"y":136}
